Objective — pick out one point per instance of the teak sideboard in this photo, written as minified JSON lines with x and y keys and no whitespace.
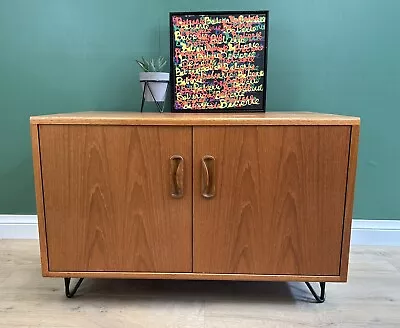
{"x":195,"y":196}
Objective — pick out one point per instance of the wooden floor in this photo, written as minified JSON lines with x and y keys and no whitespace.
{"x":370,"y":299}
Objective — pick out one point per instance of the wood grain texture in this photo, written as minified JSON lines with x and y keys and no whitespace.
{"x":37,"y":172}
{"x":348,"y":214}
{"x":192,"y":276}
{"x":279,"y":201}
{"x":108,"y":202}
{"x":130,"y":118}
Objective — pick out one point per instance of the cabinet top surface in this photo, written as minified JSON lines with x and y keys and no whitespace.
{"x":134,"y":118}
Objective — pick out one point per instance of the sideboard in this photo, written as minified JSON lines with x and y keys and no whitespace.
{"x":264,"y":197}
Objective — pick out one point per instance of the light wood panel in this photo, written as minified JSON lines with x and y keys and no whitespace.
{"x":130,"y":118}
{"x":37,"y":171}
{"x":348,"y":214}
{"x":279,"y":201}
{"x":108,"y":203}
{"x":193,"y":276}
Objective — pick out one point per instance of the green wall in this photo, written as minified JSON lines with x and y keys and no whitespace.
{"x":331,"y":56}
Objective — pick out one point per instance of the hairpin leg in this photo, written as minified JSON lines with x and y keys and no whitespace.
{"x":143,"y":95}
{"x":160,"y":108}
{"x":320,"y":298}
{"x":67,"y":282}
{"x":146,"y":86}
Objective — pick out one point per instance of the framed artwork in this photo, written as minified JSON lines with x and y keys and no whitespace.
{"x":219,"y":61}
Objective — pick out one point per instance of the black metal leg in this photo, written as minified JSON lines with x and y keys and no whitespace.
{"x":158,"y":103}
{"x":320,"y":298}
{"x":160,"y":109}
{"x":67,"y":282}
{"x":144,"y":91}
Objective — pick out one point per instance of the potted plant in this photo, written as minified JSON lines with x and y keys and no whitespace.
{"x":153,"y":78}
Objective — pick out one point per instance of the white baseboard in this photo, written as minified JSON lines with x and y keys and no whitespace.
{"x":18,"y":227}
{"x":376,"y":232}
{"x":364,"y":232}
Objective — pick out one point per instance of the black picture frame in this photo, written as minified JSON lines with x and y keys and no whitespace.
{"x":172,"y":65}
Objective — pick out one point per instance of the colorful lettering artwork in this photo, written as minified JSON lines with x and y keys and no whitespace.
{"x":218,"y":61}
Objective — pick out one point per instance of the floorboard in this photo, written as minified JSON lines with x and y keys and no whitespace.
{"x":371,"y":298}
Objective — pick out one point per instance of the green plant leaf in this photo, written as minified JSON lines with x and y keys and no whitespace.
{"x":153,"y":67}
{"x":146,"y":62}
{"x":143,"y":66}
{"x":163,"y":63}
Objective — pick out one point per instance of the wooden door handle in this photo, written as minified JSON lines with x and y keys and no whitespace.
{"x":208,"y":176}
{"x":176,"y":172}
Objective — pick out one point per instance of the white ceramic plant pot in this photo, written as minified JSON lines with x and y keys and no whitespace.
{"x":157,"y":88}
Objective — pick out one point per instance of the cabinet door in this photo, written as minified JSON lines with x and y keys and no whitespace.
{"x":279,"y":199}
{"x":107,"y":197}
